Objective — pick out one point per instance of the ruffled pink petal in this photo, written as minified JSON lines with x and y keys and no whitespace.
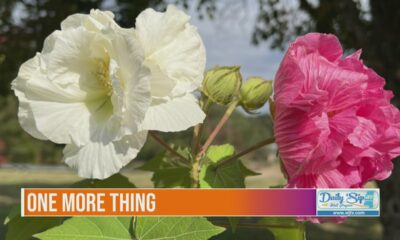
{"x":327,"y":45}
{"x":334,"y":124}
{"x":364,"y":133}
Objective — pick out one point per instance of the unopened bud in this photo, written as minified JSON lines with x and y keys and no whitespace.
{"x":222,"y":84}
{"x":254,"y":93}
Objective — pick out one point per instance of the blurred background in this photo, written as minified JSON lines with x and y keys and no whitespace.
{"x":249,"y":33}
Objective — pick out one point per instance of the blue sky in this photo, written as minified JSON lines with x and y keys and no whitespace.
{"x":228,"y":40}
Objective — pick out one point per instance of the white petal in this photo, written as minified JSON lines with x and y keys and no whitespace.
{"x":174,"y":115}
{"x":156,"y":29}
{"x":62,"y":122}
{"x":174,"y":51}
{"x":48,"y":44}
{"x":161,"y":85}
{"x":131,"y":88}
{"x":71,"y":62}
{"x":49,"y":111}
{"x":96,"y":21}
{"x":25,"y":117}
{"x":35,"y":91}
{"x":100,"y":160}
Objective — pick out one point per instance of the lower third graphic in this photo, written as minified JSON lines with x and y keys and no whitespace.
{"x":348,"y":202}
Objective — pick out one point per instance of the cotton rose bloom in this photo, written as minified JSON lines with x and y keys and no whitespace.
{"x":92,"y":87}
{"x":334,"y":124}
{"x":175,"y":54}
{"x":88,"y":88}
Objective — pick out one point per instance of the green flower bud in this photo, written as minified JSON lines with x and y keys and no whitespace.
{"x":254,"y":93}
{"x":222,"y":84}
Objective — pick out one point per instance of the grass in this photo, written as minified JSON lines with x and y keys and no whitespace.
{"x":12,"y":180}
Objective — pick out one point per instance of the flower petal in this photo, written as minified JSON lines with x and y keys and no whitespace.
{"x":95,"y":21}
{"x":174,"y":51}
{"x":364,"y":134}
{"x":101,"y":160}
{"x":25,"y":117}
{"x":39,"y":100}
{"x":326,"y":45}
{"x":131,"y":88}
{"x":72,"y":63}
{"x":173,"y":115}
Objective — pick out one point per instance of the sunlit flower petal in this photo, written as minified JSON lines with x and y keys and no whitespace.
{"x":100,"y":160}
{"x":176,"y":56}
{"x":173,"y":115}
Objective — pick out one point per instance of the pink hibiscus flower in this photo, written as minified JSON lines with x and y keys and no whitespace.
{"x":334,"y":124}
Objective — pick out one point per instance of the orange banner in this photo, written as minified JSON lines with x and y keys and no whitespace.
{"x":167,"y":202}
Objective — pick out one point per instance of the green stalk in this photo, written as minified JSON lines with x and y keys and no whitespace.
{"x":168,"y":148}
{"x":248,"y":150}
{"x":218,"y":128}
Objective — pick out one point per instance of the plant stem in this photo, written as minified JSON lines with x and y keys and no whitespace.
{"x":218,"y":128}
{"x":168,"y":148}
{"x":248,"y":150}
{"x":195,"y":173}
{"x":198,"y":130}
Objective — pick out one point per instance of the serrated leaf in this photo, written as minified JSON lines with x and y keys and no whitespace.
{"x":245,"y":171}
{"x":172,"y":177}
{"x":284,"y":228}
{"x":175,"y":228}
{"x":220,"y":152}
{"x":154,"y":163}
{"x":24,"y":228}
{"x":90,"y":228}
{"x":115,"y":181}
{"x":230,"y":175}
{"x":168,"y":172}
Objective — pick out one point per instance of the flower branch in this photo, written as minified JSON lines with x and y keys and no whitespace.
{"x":198,"y":129}
{"x":218,"y":128}
{"x":168,"y":148}
{"x":248,"y":150}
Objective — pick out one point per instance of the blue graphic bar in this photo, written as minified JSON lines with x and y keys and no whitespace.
{"x":360,"y":202}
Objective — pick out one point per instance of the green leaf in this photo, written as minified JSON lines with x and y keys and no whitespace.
{"x":285,"y":228}
{"x":248,"y":228}
{"x":115,"y":181}
{"x":15,"y":212}
{"x":230,"y":175}
{"x":90,"y":228}
{"x":245,"y":171}
{"x":168,"y":172}
{"x":221,"y":152}
{"x":23,"y":228}
{"x":175,"y":228}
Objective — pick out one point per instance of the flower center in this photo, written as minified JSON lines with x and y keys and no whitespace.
{"x":102,"y":74}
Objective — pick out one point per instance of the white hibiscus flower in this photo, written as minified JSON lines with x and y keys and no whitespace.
{"x":176,"y":56}
{"x":94,"y":88}
{"x":88,"y":89}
